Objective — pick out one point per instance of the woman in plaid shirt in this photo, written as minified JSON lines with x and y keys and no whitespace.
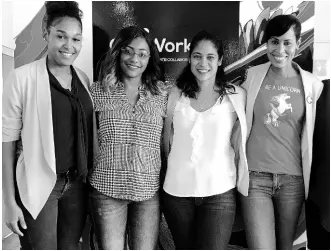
{"x":130,"y":103}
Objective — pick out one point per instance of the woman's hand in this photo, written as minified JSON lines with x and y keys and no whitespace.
{"x":13,"y":217}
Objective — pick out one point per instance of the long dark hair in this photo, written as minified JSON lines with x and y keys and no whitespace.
{"x":111,"y":64}
{"x":187,"y":83}
{"x":59,"y":9}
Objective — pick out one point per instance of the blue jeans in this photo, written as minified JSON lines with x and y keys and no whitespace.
{"x":271,"y":210}
{"x":110,"y":218}
{"x":200,"y":222}
{"x":60,"y":223}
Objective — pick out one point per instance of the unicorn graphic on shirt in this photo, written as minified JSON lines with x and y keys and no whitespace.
{"x":277,"y":110}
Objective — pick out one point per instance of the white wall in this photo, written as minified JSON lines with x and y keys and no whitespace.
{"x":321,"y":54}
{"x":7,"y":62}
{"x":8,"y":44}
{"x":22,"y":17}
{"x":16,"y":17}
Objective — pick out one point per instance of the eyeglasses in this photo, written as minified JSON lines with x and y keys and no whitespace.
{"x":127,"y":51}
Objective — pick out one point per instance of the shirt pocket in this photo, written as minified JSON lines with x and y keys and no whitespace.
{"x":108,"y":105}
{"x":109,"y":116}
{"x":112,"y":109}
{"x":153,"y":113}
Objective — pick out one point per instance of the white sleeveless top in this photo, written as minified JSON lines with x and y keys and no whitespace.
{"x":201,"y":160}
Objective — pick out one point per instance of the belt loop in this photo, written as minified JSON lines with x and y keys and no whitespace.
{"x":67,"y":175}
{"x":71,"y":174}
{"x":276,"y":182}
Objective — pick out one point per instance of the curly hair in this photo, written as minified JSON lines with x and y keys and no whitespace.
{"x":186,"y":82}
{"x":110,"y":66}
{"x":56,"y":10}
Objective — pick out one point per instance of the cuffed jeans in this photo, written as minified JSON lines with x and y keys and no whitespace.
{"x":111,"y":216}
{"x":271,"y":210}
{"x":200,"y":222}
{"x":60,"y":223}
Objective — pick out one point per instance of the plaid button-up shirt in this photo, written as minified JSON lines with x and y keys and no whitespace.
{"x":128,"y":163}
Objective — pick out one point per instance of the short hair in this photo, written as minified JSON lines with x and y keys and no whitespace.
{"x":186,"y":81}
{"x":154,"y":71}
{"x":280,"y":24}
{"x":59,"y":9}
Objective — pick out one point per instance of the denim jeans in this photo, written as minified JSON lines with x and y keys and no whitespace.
{"x":113,"y":218}
{"x":200,"y":222}
{"x":60,"y":223}
{"x":271,"y":210}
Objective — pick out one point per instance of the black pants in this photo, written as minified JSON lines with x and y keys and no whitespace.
{"x":60,"y":223}
{"x":200,"y":222}
{"x":317,"y":236}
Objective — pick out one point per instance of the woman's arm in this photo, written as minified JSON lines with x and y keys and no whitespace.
{"x":8,"y":160}
{"x":12,"y":103}
{"x":13,"y":213}
{"x":167,"y":130}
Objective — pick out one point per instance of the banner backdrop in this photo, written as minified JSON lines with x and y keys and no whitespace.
{"x":173,"y":24}
{"x":240,"y":25}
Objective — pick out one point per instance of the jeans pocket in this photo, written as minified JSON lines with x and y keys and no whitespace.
{"x":260,"y":181}
{"x":95,"y":195}
{"x":296,"y":177}
{"x":293,"y":180}
{"x":224,"y":201}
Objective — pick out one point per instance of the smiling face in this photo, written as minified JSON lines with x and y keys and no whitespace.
{"x":64,"y":39}
{"x":281,"y":50}
{"x":204,"y":61}
{"x":133,"y":66}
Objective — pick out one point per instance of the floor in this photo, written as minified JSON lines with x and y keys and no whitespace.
{"x":11,"y":243}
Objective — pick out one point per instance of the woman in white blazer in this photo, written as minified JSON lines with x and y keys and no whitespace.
{"x":280,"y":114}
{"x":47,"y":105}
{"x":199,"y":191}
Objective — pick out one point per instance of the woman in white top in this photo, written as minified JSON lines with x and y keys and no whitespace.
{"x":199,"y":198}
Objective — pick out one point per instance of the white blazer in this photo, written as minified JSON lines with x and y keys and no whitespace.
{"x":312,"y":89}
{"x":238,"y":138}
{"x":27,"y":113}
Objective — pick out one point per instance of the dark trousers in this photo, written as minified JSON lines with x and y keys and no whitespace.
{"x":200,"y":222}
{"x":318,"y":238}
{"x":60,"y":223}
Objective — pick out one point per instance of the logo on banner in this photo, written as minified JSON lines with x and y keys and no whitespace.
{"x":168,"y":46}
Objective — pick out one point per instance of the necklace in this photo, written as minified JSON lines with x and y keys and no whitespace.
{"x":63,"y":76}
{"x":202,"y":105}
{"x":65,"y":81}
{"x":132,"y":96}
{"x":207,"y":102}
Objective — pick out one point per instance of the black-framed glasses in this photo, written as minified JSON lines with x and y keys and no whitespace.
{"x":131,"y":52}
